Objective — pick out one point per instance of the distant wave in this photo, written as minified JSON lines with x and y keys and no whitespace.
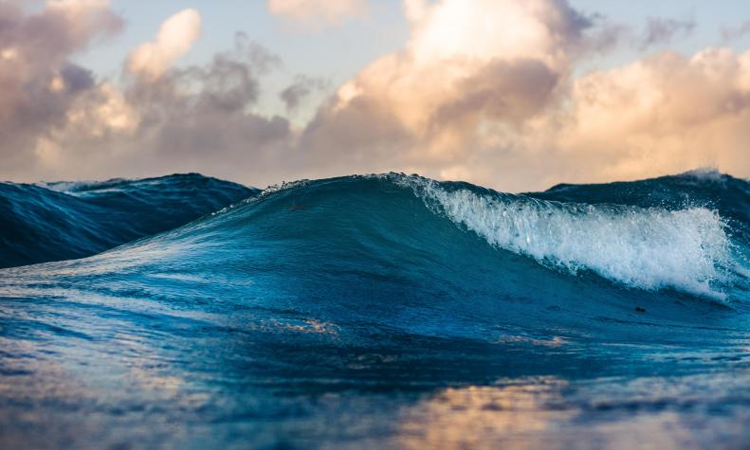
{"x":64,"y":220}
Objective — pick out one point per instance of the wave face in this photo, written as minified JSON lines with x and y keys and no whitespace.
{"x":648,"y":248}
{"x":56,"y":221}
{"x":423,"y":307}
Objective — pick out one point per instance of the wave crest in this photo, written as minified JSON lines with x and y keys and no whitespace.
{"x":687,"y":250}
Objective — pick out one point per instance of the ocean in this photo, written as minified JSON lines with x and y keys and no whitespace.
{"x":383,"y":311}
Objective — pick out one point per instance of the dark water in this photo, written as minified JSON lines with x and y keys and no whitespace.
{"x":397,"y":312}
{"x":40,"y":223}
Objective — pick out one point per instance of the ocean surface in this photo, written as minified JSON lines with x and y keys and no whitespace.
{"x":56,"y":221}
{"x":384,"y":311}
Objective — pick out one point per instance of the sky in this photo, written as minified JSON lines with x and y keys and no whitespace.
{"x":511,"y":94}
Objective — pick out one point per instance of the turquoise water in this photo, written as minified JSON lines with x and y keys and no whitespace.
{"x":395,"y":311}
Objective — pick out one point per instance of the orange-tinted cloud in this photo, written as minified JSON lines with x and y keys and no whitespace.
{"x":665,"y":113}
{"x":486,"y":91}
{"x":318,"y":13}
{"x":471,"y":74}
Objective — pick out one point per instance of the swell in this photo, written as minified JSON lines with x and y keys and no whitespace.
{"x":379,"y":290}
{"x":686,"y":233}
{"x":331,"y":299}
{"x":389,"y":254}
{"x":58,"y":221}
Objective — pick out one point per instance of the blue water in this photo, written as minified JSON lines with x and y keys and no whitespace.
{"x":56,"y":221}
{"x":394,"y":311}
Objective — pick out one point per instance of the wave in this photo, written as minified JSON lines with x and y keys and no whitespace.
{"x":690,"y":238}
{"x":64,"y":220}
{"x":648,"y":248}
{"x":385,"y":241}
{"x":440,"y":258}
{"x":616,"y":303}
{"x":686,"y":232}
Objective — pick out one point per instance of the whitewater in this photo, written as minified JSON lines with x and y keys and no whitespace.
{"x":376,"y":311}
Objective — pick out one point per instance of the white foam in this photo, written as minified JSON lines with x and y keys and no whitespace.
{"x":67,"y":187}
{"x":705,"y":174}
{"x":687,"y":250}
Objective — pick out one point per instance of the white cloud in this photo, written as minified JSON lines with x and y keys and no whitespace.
{"x":175,"y":38}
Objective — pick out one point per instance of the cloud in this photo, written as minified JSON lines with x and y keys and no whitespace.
{"x":500,"y":106}
{"x":302,"y":87}
{"x":734,"y":33}
{"x":489,"y":91}
{"x":663,"y":31}
{"x":57,"y":120}
{"x":428,"y":106}
{"x":175,"y":38}
{"x":318,"y":13}
{"x":196,"y":118}
{"x":666,"y":113}
{"x":38,"y":80}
